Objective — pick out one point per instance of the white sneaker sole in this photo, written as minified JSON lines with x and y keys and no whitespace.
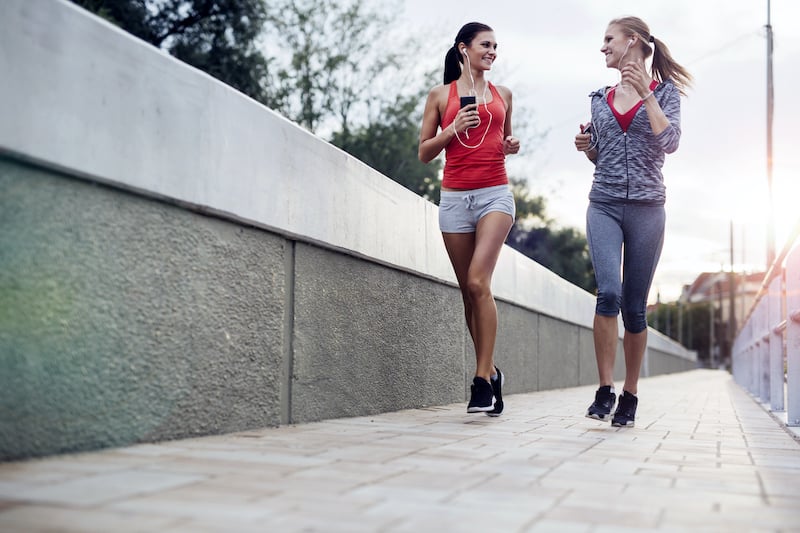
{"x":502,"y":382}
{"x":480,"y":409}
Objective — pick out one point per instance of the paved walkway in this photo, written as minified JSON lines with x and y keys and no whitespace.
{"x":703,"y":457}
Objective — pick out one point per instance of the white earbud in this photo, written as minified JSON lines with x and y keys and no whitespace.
{"x":627,"y":47}
{"x":464,"y":51}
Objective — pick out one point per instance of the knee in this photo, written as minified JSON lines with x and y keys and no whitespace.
{"x":608,"y":302}
{"x":634,"y":321}
{"x":478,"y":288}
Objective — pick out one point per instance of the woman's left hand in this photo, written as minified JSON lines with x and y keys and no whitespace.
{"x":510,"y":145}
{"x":634,"y":75}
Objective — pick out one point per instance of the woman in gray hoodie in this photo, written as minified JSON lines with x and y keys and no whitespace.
{"x":633,"y":125}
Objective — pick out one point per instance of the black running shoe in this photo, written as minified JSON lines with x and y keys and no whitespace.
{"x":626,"y":410}
{"x":604,"y":401}
{"x":482,"y":398}
{"x":497,"y":389}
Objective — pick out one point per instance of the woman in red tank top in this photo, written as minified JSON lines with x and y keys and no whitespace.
{"x":476,"y":209}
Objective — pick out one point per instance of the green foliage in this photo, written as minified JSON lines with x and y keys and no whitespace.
{"x":216,"y":36}
{"x":691,"y":324}
{"x":564,"y":251}
{"x":130,"y":15}
{"x":530,"y":209}
{"x":389,"y":145}
{"x":331,"y":63}
{"x":328,"y":59}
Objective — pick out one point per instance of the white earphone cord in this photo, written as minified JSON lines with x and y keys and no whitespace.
{"x":628,"y":47}
{"x":485,"y":105}
{"x":593,"y":133}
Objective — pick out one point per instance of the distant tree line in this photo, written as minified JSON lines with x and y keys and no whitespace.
{"x":698,"y":326}
{"x":328,"y":66}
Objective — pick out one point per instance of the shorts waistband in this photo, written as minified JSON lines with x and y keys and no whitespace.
{"x":485,"y":190}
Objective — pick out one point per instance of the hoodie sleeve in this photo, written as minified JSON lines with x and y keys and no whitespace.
{"x":595,"y":104}
{"x":670,"y":102}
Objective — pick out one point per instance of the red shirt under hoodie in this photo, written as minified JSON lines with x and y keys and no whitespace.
{"x":484,"y":165}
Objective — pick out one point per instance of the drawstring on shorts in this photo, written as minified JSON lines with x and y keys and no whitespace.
{"x":469,"y":199}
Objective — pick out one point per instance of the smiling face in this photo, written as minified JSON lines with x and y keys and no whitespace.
{"x":481,"y":52}
{"x":616,"y":46}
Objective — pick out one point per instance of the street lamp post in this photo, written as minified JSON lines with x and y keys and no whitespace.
{"x":770,"y":106}
{"x":731,"y":302}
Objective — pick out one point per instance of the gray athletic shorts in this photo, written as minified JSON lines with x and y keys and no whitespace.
{"x":460,"y":211}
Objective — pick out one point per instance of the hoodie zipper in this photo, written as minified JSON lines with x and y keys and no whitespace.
{"x":627,"y":171}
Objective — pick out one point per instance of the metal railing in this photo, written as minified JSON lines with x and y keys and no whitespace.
{"x":765,"y":357}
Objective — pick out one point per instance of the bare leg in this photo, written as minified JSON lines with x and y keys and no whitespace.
{"x":460,"y":247}
{"x":474,"y":257}
{"x":606,"y":336}
{"x":634,"y":345}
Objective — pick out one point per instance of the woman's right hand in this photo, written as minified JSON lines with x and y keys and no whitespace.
{"x":583,"y":140}
{"x":466,"y":118}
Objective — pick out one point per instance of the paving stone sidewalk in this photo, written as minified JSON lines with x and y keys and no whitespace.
{"x":703,"y":457}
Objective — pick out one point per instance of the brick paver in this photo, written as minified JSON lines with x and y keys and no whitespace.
{"x":703,"y":457}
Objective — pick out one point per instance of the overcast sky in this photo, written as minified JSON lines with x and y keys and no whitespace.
{"x":548,"y":55}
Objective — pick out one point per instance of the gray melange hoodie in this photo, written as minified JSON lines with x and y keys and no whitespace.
{"x":628,"y":165}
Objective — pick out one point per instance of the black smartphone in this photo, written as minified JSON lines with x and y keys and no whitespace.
{"x":467,"y":100}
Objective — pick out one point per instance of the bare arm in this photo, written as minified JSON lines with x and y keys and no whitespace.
{"x":510,"y":143}
{"x":634,"y":74}
{"x":658,"y":120}
{"x":432,"y":143}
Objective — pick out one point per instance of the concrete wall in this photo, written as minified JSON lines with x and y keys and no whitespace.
{"x":178,"y":260}
{"x":125,"y":319}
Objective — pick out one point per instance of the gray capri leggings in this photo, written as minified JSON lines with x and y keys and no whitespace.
{"x":640,"y":228}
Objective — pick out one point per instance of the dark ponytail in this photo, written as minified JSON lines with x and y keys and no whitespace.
{"x":453,"y":59}
{"x":452,"y":66}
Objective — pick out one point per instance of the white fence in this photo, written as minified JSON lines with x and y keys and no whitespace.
{"x":766,"y":351}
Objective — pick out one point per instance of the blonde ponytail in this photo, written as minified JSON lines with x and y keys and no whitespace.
{"x":664,"y":67}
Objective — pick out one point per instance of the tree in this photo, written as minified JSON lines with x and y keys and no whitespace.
{"x":564,"y":251}
{"x":691,"y":324}
{"x":216,"y":36}
{"x":530,"y":209}
{"x":389,"y":145}
{"x":329,"y":64}
{"x":318,"y":63}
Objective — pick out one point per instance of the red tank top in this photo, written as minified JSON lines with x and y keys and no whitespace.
{"x":625,"y":120}
{"x":485,"y":164}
